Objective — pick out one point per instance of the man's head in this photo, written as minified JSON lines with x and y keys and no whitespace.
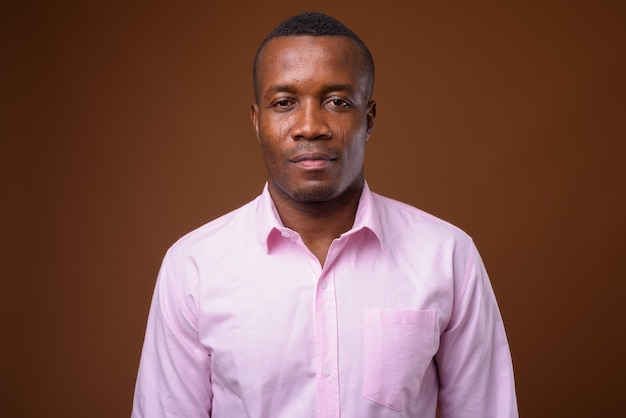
{"x":314,"y":24}
{"x":313,"y":112}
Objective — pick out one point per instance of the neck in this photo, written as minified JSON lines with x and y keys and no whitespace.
{"x":318,"y":223}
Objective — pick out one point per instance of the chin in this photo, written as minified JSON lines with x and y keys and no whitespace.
{"x":315,"y":194}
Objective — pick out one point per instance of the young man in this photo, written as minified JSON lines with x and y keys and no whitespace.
{"x":321,"y":298}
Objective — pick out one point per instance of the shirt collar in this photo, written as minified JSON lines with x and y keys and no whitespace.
{"x":269,"y":226}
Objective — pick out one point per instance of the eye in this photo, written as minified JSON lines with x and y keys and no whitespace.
{"x":339,"y":103}
{"x":282,"y":103}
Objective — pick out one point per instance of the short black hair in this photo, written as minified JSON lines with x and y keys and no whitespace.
{"x":314,"y":24}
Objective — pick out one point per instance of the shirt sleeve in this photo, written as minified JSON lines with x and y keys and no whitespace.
{"x":474,"y":361}
{"x":174,"y":371}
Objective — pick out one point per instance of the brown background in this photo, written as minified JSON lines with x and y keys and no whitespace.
{"x":125,"y":125}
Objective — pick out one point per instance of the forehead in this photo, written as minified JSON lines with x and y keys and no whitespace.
{"x":307,"y":57}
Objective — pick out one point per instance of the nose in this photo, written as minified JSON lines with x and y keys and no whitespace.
{"x":310,"y":123}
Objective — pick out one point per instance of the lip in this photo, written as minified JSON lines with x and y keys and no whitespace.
{"x":312,"y":160}
{"x":311,"y":156}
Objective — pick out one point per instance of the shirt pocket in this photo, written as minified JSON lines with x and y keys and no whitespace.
{"x":398,"y":348}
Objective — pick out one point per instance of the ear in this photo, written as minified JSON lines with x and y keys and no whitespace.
{"x":371,"y":116}
{"x":254,"y":116}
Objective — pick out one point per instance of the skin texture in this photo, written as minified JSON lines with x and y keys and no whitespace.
{"x":313,"y":119}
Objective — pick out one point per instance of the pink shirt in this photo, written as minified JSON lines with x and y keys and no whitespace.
{"x":246,"y":323}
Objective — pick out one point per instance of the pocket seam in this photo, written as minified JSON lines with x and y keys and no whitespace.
{"x":374,"y":389}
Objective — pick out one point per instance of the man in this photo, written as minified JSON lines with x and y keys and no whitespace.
{"x":321,"y":298}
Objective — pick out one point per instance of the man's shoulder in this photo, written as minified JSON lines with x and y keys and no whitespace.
{"x":236,"y":223}
{"x":405,"y":218}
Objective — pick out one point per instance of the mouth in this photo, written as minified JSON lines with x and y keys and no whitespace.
{"x":312,"y":160}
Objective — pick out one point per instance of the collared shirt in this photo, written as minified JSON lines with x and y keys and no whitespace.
{"x":400,"y":320}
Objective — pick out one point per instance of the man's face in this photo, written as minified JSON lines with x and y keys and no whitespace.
{"x":313,"y":116}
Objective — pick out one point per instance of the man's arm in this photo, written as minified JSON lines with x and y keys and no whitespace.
{"x":474,"y":361}
{"x":174,"y":372}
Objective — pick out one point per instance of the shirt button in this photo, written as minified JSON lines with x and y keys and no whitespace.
{"x":285,"y":234}
{"x":327,"y":371}
{"x":323,"y":284}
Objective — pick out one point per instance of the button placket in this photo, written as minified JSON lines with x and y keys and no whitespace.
{"x":326,"y":347}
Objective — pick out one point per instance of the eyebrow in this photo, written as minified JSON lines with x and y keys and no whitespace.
{"x":280,"y":88}
{"x":340,"y":87}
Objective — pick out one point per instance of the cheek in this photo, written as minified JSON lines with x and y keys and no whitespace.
{"x":274,"y":128}
{"x":357,"y":152}
{"x":354,"y":143}
{"x":271,"y":138}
